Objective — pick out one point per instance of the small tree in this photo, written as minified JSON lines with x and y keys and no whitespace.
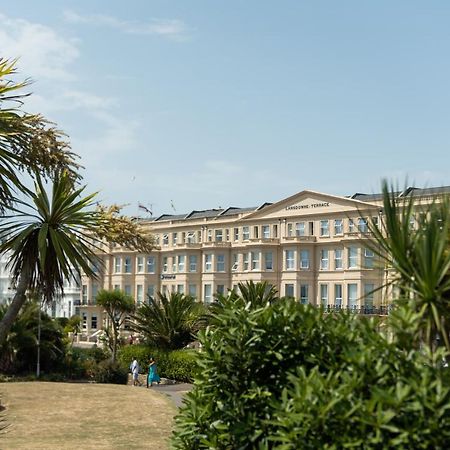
{"x":118,"y":306}
{"x":171,"y":321}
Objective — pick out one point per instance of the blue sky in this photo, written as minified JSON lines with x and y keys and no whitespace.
{"x":207,"y":104}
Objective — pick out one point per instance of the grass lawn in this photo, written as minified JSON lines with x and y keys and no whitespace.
{"x":84,"y":416}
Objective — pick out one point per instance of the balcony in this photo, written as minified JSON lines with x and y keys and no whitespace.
{"x":213,"y":244}
{"x":294,"y":239}
{"x":363,"y":310}
{"x":263,"y":241}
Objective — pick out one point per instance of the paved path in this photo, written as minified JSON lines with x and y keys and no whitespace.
{"x":175,"y":392}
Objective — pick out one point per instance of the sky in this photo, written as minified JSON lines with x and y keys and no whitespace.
{"x":183,"y":105}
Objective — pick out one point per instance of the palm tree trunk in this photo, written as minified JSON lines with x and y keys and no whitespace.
{"x":16,"y":304}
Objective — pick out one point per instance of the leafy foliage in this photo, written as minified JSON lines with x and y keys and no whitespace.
{"x":180,"y":365}
{"x":18,"y":353}
{"x":171,"y":321}
{"x":285,"y":375}
{"x":414,"y":242}
{"x":117,"y":306}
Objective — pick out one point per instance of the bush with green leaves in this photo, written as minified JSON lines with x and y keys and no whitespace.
{"x":289,"y":376}
{"x":179,"y":365}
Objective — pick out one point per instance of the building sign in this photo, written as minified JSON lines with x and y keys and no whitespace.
{"x":308,"y":206}
{"x":167,"y":277}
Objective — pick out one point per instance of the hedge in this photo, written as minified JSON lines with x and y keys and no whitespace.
{"x":179,"y":365}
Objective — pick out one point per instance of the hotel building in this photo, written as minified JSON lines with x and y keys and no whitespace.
{"x":311,"y":246}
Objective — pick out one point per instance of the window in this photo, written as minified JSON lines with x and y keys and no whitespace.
{"x":235,"y":265}
{"x":324,"y":228}
{"x":368,"y":295}
{"x":245,"y":233}
{"x":219,"y":235}
{"x":117,"y":264}
{"x":255,"y":260}
{"x":208,"y":262}
{"x":127,"y":264}
{"x":140,"y":264}
{"x":193,"y":290}
{"x":265,"y":231}
{"x":117,"y":287}
{"x":268,"y":261}
{"x":275,"y":231}
{"x":338,"y":265}
{"x":190,"y":237}
{"x":338,"y":295}
{"x":150,"y":264}
{"x":94,"y":322}
{"x":220,"y":263}
{"x":323,"y":259}
{"x":139,"y":294}
{"x":311,"y":228}
{"x":351,"y":226}
{"x":289,"y":290}
{"x":352,"y":257}
{"x":192,"y":263}
{"x":304,"y":259}
{"x":181,"y":262}
{"x":304,"y":299}
{"x":255,"y":232}
{"x":368,"y":258}
{"x":94,"y":293}
{"x":180,"y":288}
{"x":127,"y":289}
{"x":290,"y":228}
{"x":207,"y":297}
{"x":300,"y":228}
{"x":324,"y":295}
{"x":165,"y":264}
{"x":338,"y":226}
{"x":227,"y":235}
{"x":352,"y":293}
{"x":165,"y":239}
{"x":174,"y":264}
{"x":362,"y":225}
{"x":220,"y":289}
{"x":209,"y":236}
{"x":84,"y":292}
{"x":290,"y":259}
{"x":245,"y":260}
{"x":174,"y":238}
{"x":236,"y":234}
{"x":151,"y":290}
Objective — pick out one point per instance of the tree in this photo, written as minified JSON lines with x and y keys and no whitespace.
{"x":28,"y":142}
{"x":48,"y":242}
{"x":118,"y":307}
{"x":171,"y":321}
{"x":414,"y":243}
{"x":19,"y":351}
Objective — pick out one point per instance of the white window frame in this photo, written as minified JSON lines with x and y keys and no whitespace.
{"x":338,"y":227}
{"x":338,"y":259}
{"x":324,"y":259}
{"x":220,"y":262}
{"x":324,"y":228}
{"x":304,"y":262}
{"x":289,"y":259}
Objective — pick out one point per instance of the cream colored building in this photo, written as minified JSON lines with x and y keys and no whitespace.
{"x":311,"y":246}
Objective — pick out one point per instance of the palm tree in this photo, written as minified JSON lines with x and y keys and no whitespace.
{"x":171,"y":321}
{"x":48,"y":241}
{"x":415,"y":247}
{"x":28,"y":142}
{"x":118,"y":307}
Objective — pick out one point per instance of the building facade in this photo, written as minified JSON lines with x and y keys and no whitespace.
{"x":310,"y":246}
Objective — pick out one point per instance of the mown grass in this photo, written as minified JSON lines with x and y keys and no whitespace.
{"x":72,"y":416}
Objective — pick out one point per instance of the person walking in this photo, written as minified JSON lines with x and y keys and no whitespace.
{"x":153,"y":376}
{"x":134,"y":367}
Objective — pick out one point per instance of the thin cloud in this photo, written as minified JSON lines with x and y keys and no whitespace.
{"x":43,"y":53}
{"x":173,"y":29}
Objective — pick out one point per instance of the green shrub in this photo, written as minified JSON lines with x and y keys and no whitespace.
{"x":179,"y":365}
{"x":289,"y":376}
{"x":109,"y":372}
